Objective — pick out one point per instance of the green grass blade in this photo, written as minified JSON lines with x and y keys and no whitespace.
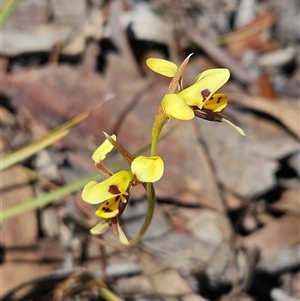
{"x":108,"y":295}
{"x":35,"y":146}
{"x":7,"y":10}
{"x":50,"y":197}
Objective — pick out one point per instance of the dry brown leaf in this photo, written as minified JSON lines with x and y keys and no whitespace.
{"x":278,"y":235}
{"x":241,"y":164}
{"x":188,"y":175}
{"x":250,"y":37}
{"x":193,"y":297}
{"x":134,"y":285}
{"x":284,"y":259}
{"x":170,"y":282}
{"x":288,"y":203}
{"x":28,"y":30}
{"x":265,"y":88}
{"x":284,"y":110}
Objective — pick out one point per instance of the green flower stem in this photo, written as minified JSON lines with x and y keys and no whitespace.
{"x":151,"y":205}
{"x":160,"y":120}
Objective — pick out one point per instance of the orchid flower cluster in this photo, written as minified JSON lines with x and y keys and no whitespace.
{"x":198,"y":100}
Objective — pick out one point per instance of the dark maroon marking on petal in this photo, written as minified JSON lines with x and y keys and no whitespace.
{"x":106,"y":209}
{"x":205,"y":93}
{"x":212,"y":98}
{"x":219,"y":99}
{"x":113,"y":189}
{"x":107,"y":203}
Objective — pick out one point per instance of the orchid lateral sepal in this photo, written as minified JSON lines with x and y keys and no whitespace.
{"x":101,"y":227}
{"x":119,"y":233}
{"x":114,"y":223}
{"x":213,"y":116}
{"x":237,"y":128}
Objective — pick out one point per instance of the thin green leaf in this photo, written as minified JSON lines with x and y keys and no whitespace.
{"x":7,"y":10}
{"x":108,"y":295}
{"x":50,"y":197}
{"x":35,"y":146}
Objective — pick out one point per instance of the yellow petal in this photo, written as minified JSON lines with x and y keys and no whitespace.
{"x":192,"y":95}
{"x":101,"y":152}
{"x":109,"y":208}
{"x":221,"y":75}
{"x":148,"y":169}
{"x":162,"y":67}
{"x":237,"y":128}
{"x":216,"y":102}
{"x":207,"y":83}
{"x":117,"y":184}
{"x":101,"y":227}
{"x":175,"y":107}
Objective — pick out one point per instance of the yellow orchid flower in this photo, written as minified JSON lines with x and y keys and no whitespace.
{"x":112,"y":194}
{"x":143,"y":169}
{"x":117,"y":184}
{"x":198,"y":99}
{"x":197,"y":96}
